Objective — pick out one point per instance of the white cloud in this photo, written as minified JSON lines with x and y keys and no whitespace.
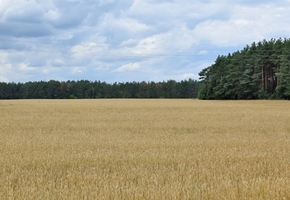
{"x":143,"y":39}
{"x":76,"y":70}
{"x":128,"y":67}
{"x":4,"y":70}
{"x":89,"y":49}
{"x":25,"y":12}
{"x":203,"y":52}
{"x":84,"y":48}
{"x":49,"y":70}
{"x":120,"y":28}
{"x":189,"y":75}
{"x":165,"y":44}
{"x":247,"y":24}
{"x":25,"y":67}
{"x":104,"y":2}
{"x":3,"y":79}
{"x":52,"y":15}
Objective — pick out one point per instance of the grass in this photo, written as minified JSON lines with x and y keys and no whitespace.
{"x":144,"y":149}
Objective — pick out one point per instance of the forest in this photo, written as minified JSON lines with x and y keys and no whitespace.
{"x":259,"y":71}
{"x":84,"y":89}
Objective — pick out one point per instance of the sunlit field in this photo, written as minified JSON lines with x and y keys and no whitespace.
{"x":144,"y":149}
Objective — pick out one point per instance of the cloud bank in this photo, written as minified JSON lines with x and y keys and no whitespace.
{"x":129,"y":40}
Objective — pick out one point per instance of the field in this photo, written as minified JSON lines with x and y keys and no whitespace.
{"x":144,"y":149}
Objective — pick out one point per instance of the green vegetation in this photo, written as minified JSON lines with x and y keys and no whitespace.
{"x":84,"y":89}
{"x":259,"y":71}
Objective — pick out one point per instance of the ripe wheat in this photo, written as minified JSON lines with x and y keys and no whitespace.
{"x":144,"y":149}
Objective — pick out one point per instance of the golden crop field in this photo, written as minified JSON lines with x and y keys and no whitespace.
{"x":144,"y":149}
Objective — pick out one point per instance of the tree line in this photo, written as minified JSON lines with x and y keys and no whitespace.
{"x":84,"y":89}
{"x":259,"y":71}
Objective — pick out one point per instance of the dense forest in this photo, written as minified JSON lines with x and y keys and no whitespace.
{"x":87,"y":89}
{"x":259,"y":71}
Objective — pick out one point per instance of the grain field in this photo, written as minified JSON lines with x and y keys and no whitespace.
{"x":144,"y":149}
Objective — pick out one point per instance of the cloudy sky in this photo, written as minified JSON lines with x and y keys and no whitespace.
{"x":129,"y":40}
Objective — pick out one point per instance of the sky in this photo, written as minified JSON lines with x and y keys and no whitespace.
{"x":129,"y":40}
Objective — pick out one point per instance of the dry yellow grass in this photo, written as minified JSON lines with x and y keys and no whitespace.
{"x":144,"y":149}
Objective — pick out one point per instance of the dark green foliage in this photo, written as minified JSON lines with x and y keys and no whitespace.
{"x":259,"y":71}
{"x":9,"y":90}
{"x":86,"y":89}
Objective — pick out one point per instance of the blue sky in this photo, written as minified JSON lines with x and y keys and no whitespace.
{"x":129,"y":40}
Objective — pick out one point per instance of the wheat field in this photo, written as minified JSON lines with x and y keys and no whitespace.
{"x":144,"y":149}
